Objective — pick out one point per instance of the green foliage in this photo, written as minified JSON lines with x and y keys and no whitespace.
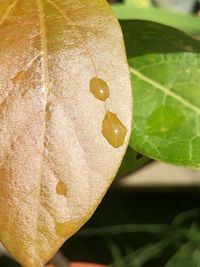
{"x":131,"y":162}
{"x":186,"y":256}
{"x":129,"y":11}
{"x":180,"y":238}
{"x":165,"y":70}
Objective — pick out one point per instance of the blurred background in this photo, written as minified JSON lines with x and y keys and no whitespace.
{"x":181,"y":6}
{"x":150,"y":216}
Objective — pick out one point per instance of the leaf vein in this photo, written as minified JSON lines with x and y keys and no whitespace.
{"x":7,"y":13}
{"x":83,"y":41}
{"x":45,"y":79}
{"x":165,"y":90}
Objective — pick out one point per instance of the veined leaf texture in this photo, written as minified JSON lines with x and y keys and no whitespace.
{"x":63,"y":74}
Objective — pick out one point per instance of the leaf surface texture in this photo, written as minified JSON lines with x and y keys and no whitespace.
{"x":55,"y":163}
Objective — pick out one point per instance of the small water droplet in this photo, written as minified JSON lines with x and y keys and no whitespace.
{"x":99,"y":89}
{"x":113,"y":130}
{"x":61,"y":189}
{"x":65,"y":229}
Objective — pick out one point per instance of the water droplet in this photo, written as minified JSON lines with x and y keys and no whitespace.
{"x":61,"y":189}
{"x":66,"y":229}
{"x":113,"y":130}
{"x":99,"y":89}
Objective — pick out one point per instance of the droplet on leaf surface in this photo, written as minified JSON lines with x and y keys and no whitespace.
{"x":61,"y":189}
{"x":99,"y":89}
{"x":65,"y":229}
{"x":113,"y":130}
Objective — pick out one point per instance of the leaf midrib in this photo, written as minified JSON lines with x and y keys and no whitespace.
{"x":45,"y":82}
{"x":165,"y":90}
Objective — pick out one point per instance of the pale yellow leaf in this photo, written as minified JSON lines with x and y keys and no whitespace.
{"x":63,"y":70}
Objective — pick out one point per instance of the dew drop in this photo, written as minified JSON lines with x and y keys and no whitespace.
{"x":113,"y":130}
{"x":99,"y":89}
{"x":61,"y":189}
{"x":65,"y":229}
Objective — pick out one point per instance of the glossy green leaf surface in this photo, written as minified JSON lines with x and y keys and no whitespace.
{"x":165,"y":69}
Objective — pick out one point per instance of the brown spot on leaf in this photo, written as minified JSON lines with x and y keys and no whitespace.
{"x":61,"y":189}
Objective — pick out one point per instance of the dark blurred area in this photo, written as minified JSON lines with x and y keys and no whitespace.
{"x":122,"y":208}
{"x":115,"y":1}
{"x":129,"y":207}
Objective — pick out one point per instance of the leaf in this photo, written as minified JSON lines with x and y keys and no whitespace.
{"x":138,"y":3}
{"x":126,"y":229}
{"x":63,"y":73}
{"x":149,"y":252}
{"x":185,"y":217}
{"x":128,"y":11}
{"x":184,"y":257}
{"x":131,"y":162}
{"x":116,"y":254}
{"x":164,"y":64}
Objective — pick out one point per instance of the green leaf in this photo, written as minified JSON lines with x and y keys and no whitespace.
{"x":137,"y":258}
{"x":116,"y":254}
{"x":165,"y":71}
{"x":185,"y":257}
{"x":138,"y":3}
{"x":183,"y":217}
{"x":141,"y":256}
{"x":193,"y":234}
{"x":132,"y":161}
{"x":126,"y":228}
{"x":148,"y":252}
{"x":129,"y":11}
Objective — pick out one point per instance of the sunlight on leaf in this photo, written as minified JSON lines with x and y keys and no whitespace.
{"x":55,"y":162}
{"x":138,"y":3}
{"x":164,"y":64}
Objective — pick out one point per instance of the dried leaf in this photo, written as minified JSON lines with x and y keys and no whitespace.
{"x":62,"y":69}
